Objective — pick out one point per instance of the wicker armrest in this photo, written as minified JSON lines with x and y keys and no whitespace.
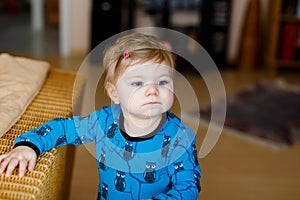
{"x":51,"y":176}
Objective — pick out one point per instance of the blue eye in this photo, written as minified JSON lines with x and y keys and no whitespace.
{"x":138,"y":83}
{"x":162,"y":83}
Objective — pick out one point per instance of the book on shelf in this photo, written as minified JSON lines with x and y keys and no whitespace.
{"x":297,"y":10}
{"x":215,"y":19}
{"x":291,"y":8}
{"x":288,"y":40}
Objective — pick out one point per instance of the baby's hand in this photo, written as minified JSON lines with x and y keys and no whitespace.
{"x":21,"y":156}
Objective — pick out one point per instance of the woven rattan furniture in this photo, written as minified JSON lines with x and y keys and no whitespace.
{"x":51,"y":176}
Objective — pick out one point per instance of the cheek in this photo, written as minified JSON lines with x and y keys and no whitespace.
{"x":168,"y":96}
{"x":127,"y":95}
{"x":167,"y":90}
{"x":171,"y":99}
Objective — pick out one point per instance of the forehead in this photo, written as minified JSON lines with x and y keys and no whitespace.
{"x":147,"y":69}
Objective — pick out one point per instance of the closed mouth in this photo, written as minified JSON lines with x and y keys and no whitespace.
{"x":152,"y":103}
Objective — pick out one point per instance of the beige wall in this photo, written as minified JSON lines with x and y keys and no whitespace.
{"x":80,"y":26}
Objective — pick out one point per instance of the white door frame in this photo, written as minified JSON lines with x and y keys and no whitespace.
{"x":37,"y":22}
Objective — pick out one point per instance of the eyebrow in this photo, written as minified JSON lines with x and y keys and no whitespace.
{"x":134,"y":76}
{"x":141,"y":76}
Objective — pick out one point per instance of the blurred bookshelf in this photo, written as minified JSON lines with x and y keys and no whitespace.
{"x":14,"y":6}
{"x":284,"y":44}
{"x":214,"y":34}
{"x":206,"y":21}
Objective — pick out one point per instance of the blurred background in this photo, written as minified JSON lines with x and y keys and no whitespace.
{"x":68,"y":28}
{"x":249,"y":40}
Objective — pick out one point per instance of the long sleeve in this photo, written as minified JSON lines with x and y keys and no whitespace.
{"x":184,"y":172}
{"x":61,"y":131}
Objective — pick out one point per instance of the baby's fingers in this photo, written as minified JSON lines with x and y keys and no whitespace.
{"x":3,"y":163}
{"x":31,"y":164}
{"x":22,"y":167}
{"x":11,"y":166}
{"x":2,"y":157}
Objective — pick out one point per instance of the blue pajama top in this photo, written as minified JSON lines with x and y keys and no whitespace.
{"x":161,"y":165}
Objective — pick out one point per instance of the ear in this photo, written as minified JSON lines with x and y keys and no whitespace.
{"x":112,"y":92}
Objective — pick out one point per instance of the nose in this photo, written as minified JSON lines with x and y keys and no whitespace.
{"x":151,"y":89}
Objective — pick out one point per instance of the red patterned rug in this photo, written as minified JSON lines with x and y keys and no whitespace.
{"x":267,"y":111}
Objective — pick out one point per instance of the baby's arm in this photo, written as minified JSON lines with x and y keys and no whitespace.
{"x":57,"y":132}
{"x":31,"y":144}
{"x":185,"y":176}
{"x":22,"y":156}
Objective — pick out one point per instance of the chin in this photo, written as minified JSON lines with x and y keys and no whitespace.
{"x":153,"y":112}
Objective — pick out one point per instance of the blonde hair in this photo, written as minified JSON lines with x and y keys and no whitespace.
{"x":141,"y":48}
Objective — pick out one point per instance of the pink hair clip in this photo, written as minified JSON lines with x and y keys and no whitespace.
{"x":126,"y":54}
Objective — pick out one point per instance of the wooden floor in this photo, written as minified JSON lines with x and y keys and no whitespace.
{"x":241,"y":169}
{"x":235,"y":169}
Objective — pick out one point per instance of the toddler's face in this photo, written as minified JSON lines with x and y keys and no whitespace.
{"x":145,"y":90}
